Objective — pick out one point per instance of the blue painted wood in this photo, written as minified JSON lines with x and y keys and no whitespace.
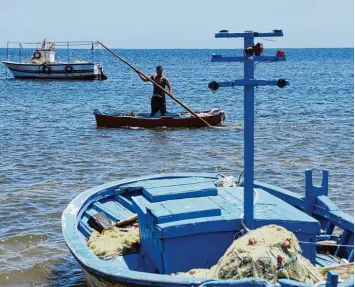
{"x":339,"y":218}
{"x":312,"y":192}
{"x":203,"y":251}
{"x":112,"y":209}
{"x":190,"y":227}
{"x":135,"y":262}
{"x":269,"y":210}
{"x":324,"y":202}
{"x":115,"y":272}
{"x":251,"y":282}
{"x":101,"y":208}
{"x":292,"y":283}
{"x":324,"y":260}
{"x":171,"y":179}
{"x":254,"y":83}
{"x":174,"y":182}
{"x":180,"y":191}
{"x":84,"y":222}
{"x":164,"y":225}
{"x":84,"y":228}
{"x":249,"y":34}
{"x":249,"y":83}
{"x":332,"y":278}
{"x":288,"y":196}
{"x":123,"y":190}
{"x":329,"y":228}
{"x":326,"y":208}
{"x":343,"y":241}
{"x":323,"y":237}
{"x":178,"y":209}
{"x":90,"y":212}
{"x":232,"y":59}
{"x":249,"y":138}
{"x":125,"y":202}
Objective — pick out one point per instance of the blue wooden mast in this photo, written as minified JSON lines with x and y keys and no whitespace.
{"x":252,"y":54}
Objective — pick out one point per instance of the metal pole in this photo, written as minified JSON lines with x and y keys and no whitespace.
{"x":7,"y":56}
{"x":249,"y":138}
{"x":92,"y":52}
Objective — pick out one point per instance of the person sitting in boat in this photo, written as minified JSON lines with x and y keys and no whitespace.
{"x":158,"y":99}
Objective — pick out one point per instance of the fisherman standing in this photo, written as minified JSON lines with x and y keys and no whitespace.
{"x":158,"y":99}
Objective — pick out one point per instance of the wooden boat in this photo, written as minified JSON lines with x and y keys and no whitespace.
{"x":175,"y":120}
{"x":182,"y":217}
{"x":188,"y":220}
{"x":44,"y":66}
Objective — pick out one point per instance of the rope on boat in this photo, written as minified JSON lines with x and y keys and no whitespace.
{"x":242,"y":215}
{"x":326,"y":244}
{"x":239,"y":182}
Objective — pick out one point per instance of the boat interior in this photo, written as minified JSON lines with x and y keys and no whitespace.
{"x":188,"y":221}
{"x":176,"y":115}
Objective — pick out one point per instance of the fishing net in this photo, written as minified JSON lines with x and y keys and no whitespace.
{"x":130,"y":114}
{"x":114,"y":242}
{"x":270,"y":252}
{"x":344,"y":270}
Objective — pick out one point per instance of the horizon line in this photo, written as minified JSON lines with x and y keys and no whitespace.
{"x":74,"y":47}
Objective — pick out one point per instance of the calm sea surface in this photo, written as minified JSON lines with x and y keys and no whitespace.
{"x":51,"y":150}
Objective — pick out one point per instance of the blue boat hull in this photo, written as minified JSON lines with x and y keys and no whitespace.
{"x":131,"y":270}
{"x":96,"y":280}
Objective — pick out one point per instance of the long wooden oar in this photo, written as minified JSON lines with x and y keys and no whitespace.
{"x":154,"y":83}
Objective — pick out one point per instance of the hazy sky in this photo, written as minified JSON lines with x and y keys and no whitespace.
{"x":178,"y":23}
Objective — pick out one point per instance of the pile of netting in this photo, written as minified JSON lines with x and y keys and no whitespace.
{"x":270,"y":252}
{"x":114,"y":242}
{"x":130,"y":114}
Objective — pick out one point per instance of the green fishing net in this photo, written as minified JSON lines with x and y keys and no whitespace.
{"x":114,"y":242}
{"x":270,"y":252}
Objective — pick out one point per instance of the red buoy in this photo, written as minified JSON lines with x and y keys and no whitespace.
{"x":259,"y":49}
{"x":280,"y":53}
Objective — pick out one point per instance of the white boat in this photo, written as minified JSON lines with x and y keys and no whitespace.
{"x":43,"y":65}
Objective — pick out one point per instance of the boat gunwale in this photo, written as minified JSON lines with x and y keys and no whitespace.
{"x":216,"y":114}
{"x":48,"y":64}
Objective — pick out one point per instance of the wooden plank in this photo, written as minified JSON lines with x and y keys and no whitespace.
{"x":180,"y":191}
{"x":339,"y":218}
{"x":288,"y":196}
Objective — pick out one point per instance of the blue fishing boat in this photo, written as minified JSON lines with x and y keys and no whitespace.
{"x":189,"y":220}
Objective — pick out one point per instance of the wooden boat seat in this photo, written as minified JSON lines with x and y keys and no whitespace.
{"x":179,"y":233}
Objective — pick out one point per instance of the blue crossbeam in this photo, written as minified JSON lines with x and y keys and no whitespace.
{"x":220,"y":58}
{"x":277,"y":33}
{"x":249,"y":82}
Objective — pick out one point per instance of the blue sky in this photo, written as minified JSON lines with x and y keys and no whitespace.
{"x":179,"y":23}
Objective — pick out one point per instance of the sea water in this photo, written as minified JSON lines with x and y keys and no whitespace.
{"x":51,"y":150}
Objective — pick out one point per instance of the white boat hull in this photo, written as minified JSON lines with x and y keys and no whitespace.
{"x":55,"y":71}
